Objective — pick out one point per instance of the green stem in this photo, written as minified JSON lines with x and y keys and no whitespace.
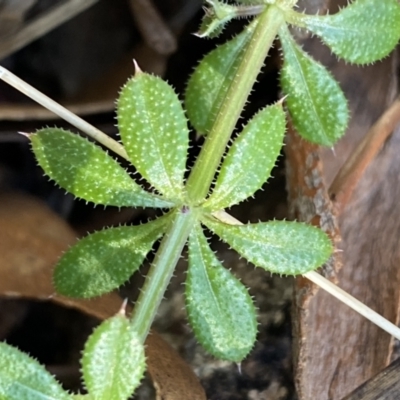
{"x":247,"y":11}
{"x":299,"y":19}
{"x":216,"y":141}
{"x":203,"y":172}
{"x":161,"y":271}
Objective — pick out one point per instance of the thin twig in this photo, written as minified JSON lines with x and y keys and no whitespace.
{"x":43,"y":24}
{"x":334,"y":290}
{"x":353,"y":303}
{"x":62,"y":112}
{"x":28,"y":112}
{"x":351,"y":172}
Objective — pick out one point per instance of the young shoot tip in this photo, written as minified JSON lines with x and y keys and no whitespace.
{"x":23,"y":133}
{"x":280,"y":101}
{"x":122,"y":310}
{"x":239,"y":367}
{"x":138,"y":70}
{"x":198,"y":34}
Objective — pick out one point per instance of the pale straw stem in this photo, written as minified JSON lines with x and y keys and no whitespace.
{"x":62,"y":112}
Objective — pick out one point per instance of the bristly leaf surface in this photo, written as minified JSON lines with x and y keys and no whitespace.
{"x":215,"y":18}
{"x":23,"y":378}
{"x":113,"y":361}
{"x":250,"y":159}
{"x":315,"y":101}
{"x":210,"y":27}
{"x":104,"y":260}
{"x":288,"y":248}
{"x":208,"y":86}
{"x":364,"y":32}
{"x":154,"y":132}
{"x":219,"y":308}
{"x":85,"y":170}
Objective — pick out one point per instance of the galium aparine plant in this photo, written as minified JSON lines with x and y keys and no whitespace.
{"x":154,"y":132}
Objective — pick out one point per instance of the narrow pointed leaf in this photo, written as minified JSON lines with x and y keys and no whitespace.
{"x":154,"y":131}
{"x":215,"y":18}
{"x":315,"y":101}
{"x":88,"y":172}
{"x":219,"y":308}
{"x":250,"y":159}
{"x":288,"y":248}
{"x":113,"y":361}
{"x":104,"y":260}
{"x":210,"y":82}
{"x":23,"y":378}
{"x":364,"y":32}
{"x":210,"y":27}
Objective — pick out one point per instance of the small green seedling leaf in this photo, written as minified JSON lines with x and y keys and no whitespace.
{"x":104,"y":260}
{"x":250,"y":160}
{"x":288,"y":248}
{"x":23,"y":378}
{"x":88,"y":172}
{"x":215,"y":18}
{"x":154,"y":131}
{"x":210,"y":27}
{"x":219,"y":308}
{"x":113,"y":361}
{"x":210,"y":82}
{"x":364,"y":32}
{"x":315,"y":101}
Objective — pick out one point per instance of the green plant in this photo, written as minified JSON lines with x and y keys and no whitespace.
{"x":154,"y":133}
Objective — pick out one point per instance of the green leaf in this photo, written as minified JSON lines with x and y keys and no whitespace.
{"x":104,"y":260}
{"x":154,"y":131}
{"x":210,"y":82}
{"x":219,"y":308}
{"x":288,"y":248}
{"x":250,"y":160}
{"x":85,"y":170}
{"x":113,"y":361}
{"x":215,"y":18}
{"x":363,"y":32}
{"x":23,"y":378}
{"x":315,"y":101}
{"x":210,"y":27}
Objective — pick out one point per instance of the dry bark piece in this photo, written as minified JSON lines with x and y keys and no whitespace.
{"x":337,"y":349}
{"x":384,"y":386}
{"x":31,"y":240}
{"x":352,"y":171}
{"x":309,"y":201}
